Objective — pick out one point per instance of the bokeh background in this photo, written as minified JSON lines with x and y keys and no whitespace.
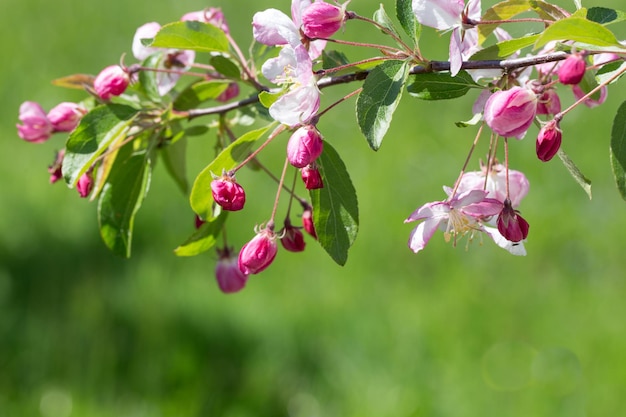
{"x":446,"y":332}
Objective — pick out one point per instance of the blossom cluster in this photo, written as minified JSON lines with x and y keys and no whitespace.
{"x":289,"y":82}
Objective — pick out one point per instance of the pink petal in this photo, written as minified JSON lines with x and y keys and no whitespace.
{"x":422,"y":233}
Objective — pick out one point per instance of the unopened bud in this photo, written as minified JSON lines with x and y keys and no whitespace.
{"x":548,"y":141}
{"x":228,"y":193}
{"x":259,"y":253}
{"x":305,"y":146}
{"x":84,"y":184}
{"x":312,"y":177}
{"x":307,"y":222}
{"x":229,"y":277}
{"x":322,"y":20}
{"x":112,"y":81}
{"x":511,"y":225}
{"x":230,"y":93}
{"x":65,"y":116}
{"x":510,"y":113}
{"x":36,"y":127}
{"x":549,"y":103}
{"x":292,"y":238}
{"x":55,"y":170}
{"x":572,"y":70}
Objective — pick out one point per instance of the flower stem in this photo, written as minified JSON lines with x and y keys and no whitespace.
{"x":280,"y":186}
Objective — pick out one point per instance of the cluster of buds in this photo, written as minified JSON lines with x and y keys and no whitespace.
{"x":38,"y":127}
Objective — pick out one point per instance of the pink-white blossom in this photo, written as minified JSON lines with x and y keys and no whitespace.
{"x":35,"y":127}
{"x":510,"y":113}
{"x":212,"y":15}
{"x":493,"y":181}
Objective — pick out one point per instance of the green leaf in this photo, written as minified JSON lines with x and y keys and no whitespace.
{"x":381,"y":94}
{"x":508,"y":9}
{"x":440,"y":86}
{"x":199,"y":92}
{"x":148,"y":79}
{"x":193,"y":35}
{"x":204,"y":238}
{"x":505,"y":48}
{"x":575,"y":172}
{"x":610,"y":70}
{"x":121,"y":197}
{"x":267,"y":99}
{"x":335,"y":207}
{"x":618,"y":149}
{"x":95,"y":132}
{"x":580,"y":30}
{"x":175,"y":158}
{"x":381,"y":17}
{"x":333,"y":59}
{"x":588,"y":83}
{"x":605,"y":16}
{"x":472,"y":122}
{"x":201,"y":199}
{"x":404,"y":13}
{"x":225,"y":66}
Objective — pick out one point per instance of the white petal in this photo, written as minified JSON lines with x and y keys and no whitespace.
{"x":438,"y":14}
{"x":515,"y":248}
{"x":147,"y":31}
{"x":273,"y":27}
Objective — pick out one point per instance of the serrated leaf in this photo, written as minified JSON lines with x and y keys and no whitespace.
{"x":381,"y":94}
{"x":381,"y":17}
{"x":335,"y":207}
{"x":225,"y":66}
{"x":121,"y":198}
{"x":201,"y":199}
{"x":440,"y":86}
{"x":504,"y":49}
{"x":605,"y":16}
{"x":575,"y":172}
{"x":579,"y":30}
{"x":204,"y":238}
{"x":95,"y":132}
{"x":618,"y":149}
{"x":404,"y":13}
{"x":192,"y":35}
{"x":508,"y":9}
{"x":199,"y":92}
{"x":175,"y":158}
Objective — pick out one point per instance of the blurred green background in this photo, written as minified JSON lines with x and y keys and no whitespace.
{"x":446,"y":332}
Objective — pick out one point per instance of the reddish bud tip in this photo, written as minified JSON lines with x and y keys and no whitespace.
{"x":304,"y":146}
{"x":229,"y":277}
{"x":112,"y":81}
{"x":322,"y":20}
{"x":511,"y":225}
{"x":55,"y":170}
{"x":572,"y":70}
{"x":228,"y":193}
{"x":293,"y":239}
{"x":259,"y":253}
{"x":307,"y":222}
{"x":312,"y":177}
{"x":548,"y":141}
{"x":84,"y":184}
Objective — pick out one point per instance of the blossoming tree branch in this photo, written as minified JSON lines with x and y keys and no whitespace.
{"x":135,"y":112}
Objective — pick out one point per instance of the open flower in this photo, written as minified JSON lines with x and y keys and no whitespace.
{"x":170,"y":59}
{"x":494,"y":182}
{"x":452,"y":15}
{"x":294,"y":69}
{"x":457,"y":216}
{"x":273,"y":27}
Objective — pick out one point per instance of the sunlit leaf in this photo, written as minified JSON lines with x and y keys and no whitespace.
{"x":76,"y":81}
{"x":504,"y":49}
{"x":580,"y":30}
{"x":201,"y":199}
{"x":377,"y":102}
{"x":404,"y":13}
{"x":199,"y":92}
{"x":193,"y":35}
{"x":381,"y":17}
{"x":204,"y":238}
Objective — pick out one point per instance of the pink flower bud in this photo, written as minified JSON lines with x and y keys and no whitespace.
{"x":293,"y":239}
{"x":229,"y":277}
{"x":36,"y":127}
{"x":230,"y":93}
{"x":55,"y":170}
{"x":312,"y":177}
{"x":572,"y":70}
{"x":548,"y":141}
{"x":510,"y":113}
{"x":305,"y":146}
{"x":227,"y":193}
{"x":84,"y":184}
{"x":590,"y":102}
{"x":112,"y":81}
{"x":65,"y":116}
{"x":211,"y":15}
{"x":549,"y":103}
{"x":259,"y":253}
{"x":307,"y":222}
{"x":322,"y":20}
{"x":511,"y":225}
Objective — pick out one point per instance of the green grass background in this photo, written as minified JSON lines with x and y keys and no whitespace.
{"x":446,"y":332}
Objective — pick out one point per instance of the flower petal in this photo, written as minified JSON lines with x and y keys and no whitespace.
{"x":438,"y":14}
{"x":422,"y":233}
{"x":273,"y":27}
